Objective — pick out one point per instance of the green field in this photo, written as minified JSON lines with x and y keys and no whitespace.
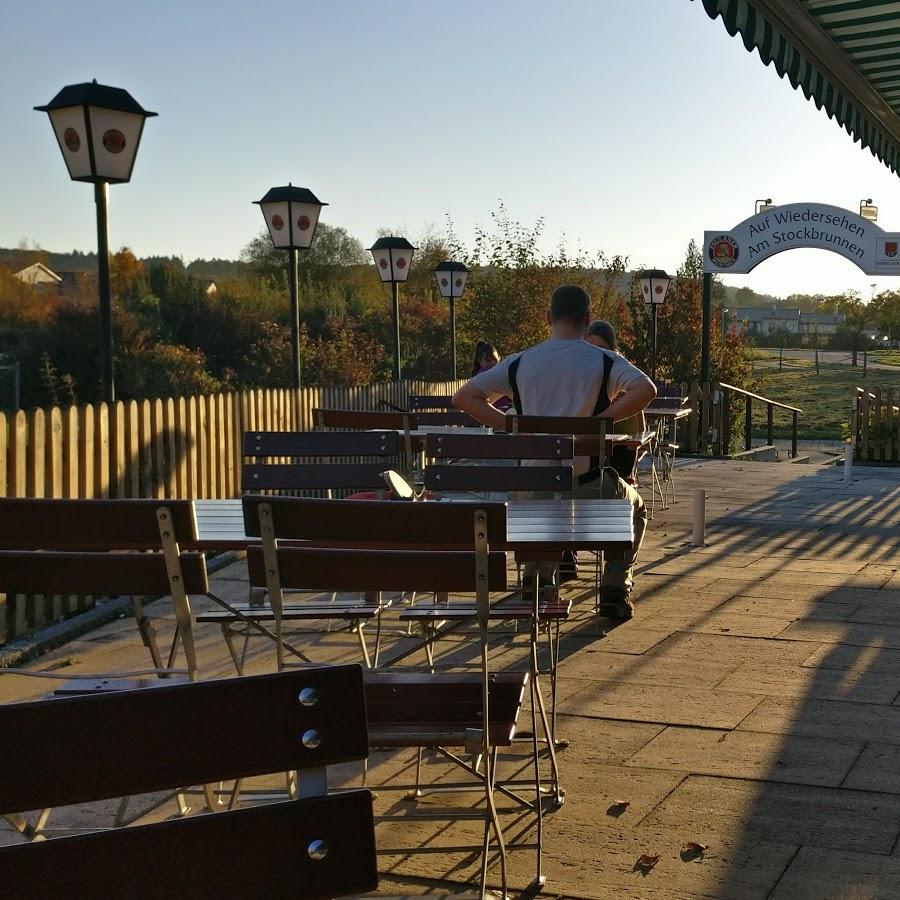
{"x":887,"y":357}
{"x":824,"y":399}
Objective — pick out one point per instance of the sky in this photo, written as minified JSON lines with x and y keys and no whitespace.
{"x":629,"y":126}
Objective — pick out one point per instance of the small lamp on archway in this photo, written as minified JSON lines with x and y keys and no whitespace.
{"x":393,"y":257}
{"x":654,"y":287}
{"x":292,"y":214}
{"x":867,"y":211}
{"x":451,"y":281}
{"x":763,"y":206}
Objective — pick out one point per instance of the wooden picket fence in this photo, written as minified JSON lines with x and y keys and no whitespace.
{"x":875,"y":425}
{"x":174,"y":447}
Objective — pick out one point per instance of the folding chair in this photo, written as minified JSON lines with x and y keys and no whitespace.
{"x":418,"y":402}
{"x":365,"y":420}
{"x":477,"y":711}
{"x":318,"y":845}
{"x":103,"y":574}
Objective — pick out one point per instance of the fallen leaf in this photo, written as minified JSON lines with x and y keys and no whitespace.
{"x":618,"y":807}
{"x":697,"y":848}
{"x":692,"y":850}
{"x":645,"y":863}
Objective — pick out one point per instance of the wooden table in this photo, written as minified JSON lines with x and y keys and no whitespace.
{"x":532,"y":525}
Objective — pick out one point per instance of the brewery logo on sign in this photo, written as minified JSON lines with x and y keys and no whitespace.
{"x":890,"y":248}
{"x":723,"y":251}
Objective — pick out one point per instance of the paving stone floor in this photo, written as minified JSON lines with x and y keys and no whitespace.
{"x":751,"y":707}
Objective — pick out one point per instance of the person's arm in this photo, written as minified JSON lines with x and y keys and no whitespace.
{"x":474,"y":396}
{"x":636,"y":398}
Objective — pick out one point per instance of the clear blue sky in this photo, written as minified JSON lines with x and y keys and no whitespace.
{"x":629,"y":125}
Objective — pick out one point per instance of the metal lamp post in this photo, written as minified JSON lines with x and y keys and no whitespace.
{"x":451,"y":281}
{"x":291,"y":215}
{"x":99,"y":130}
{"x":393,"y":256}
{"x":654,"y":287}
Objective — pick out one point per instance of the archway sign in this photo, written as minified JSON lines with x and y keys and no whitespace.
{"x":794,"y":226}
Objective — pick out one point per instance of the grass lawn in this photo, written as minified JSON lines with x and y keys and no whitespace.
{"x":887,"y":357}
{"x":824,"y":399}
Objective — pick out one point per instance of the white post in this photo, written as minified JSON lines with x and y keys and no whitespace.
{"x":699,"y":518}
{"x":848,"y":464}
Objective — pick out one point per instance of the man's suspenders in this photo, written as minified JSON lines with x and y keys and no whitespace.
{"x":514,"y":384}
{"x":602,"y":398}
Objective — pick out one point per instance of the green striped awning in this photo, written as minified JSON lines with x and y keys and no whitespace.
{"x":843,"y":54}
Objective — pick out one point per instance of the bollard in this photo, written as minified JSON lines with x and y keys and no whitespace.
{"x":848,"y":464}
{"x":699,"y":518}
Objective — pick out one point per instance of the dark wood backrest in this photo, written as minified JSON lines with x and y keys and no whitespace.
{"x":377,"y":570}
{"x":321,"y":443}
{"x":27,"y":524}
{"x":364,"y":419}
{"x":499,"y":446}
{"x":499,"y":478}
{"x":417,"y":401}
{"x":126,"y":742}
{"x":556,"y":424}
{"x":318,"y":476}
{"x":456,"y":419}
{"x":374,"y":521}
{"x":97,"y":574}
{"x":130,"y":742}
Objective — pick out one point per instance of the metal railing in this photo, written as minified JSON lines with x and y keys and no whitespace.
{"x":728,"y":391}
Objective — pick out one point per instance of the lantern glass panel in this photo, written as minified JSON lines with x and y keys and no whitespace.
{"x":659,"y":287}
{"x":444,"y":282}
{"x":304,"y":217}
{"x":383,"y":264}
{"x":402,"y":260}
{"x":116,"y":136}
{"x":646,"y":289}
{"x":459,"y":282}
{"x":71,"y":132}
{"x":278,"y":221}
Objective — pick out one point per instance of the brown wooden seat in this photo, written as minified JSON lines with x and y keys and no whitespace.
{"x":448,"y":417}
{"x":419,"y":401}
{"x":270,"y":449}
{"x":311,"y":847}
{"x":365,"y":420}
{"x":103,"y":528}
{"x":386,"y":546}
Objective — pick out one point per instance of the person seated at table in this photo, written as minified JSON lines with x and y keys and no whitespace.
{"x":486,"y":357}
{"x":566,"y":376}
{"x":602,"y":334}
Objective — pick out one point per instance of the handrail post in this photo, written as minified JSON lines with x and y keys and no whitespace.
{"x":794,"y":435}
{"x":726,"y":422}
{"x":770,"y":424}
{"x":748,"y":422}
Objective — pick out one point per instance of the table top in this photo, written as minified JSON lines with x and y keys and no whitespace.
{"x":537,"y":525}
{"x":661,"y":412}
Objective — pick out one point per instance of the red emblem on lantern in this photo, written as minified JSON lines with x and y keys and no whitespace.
{"x":401,"y":263}
{"x":114,"y":140}
{"x":277,"y":222}
{"x":458,"y":282}
{"x":303,"y":223}
{"x":73,"y":141}
{"x":658,"y":289}
{"x":444,"y":282}
{"x":383,"y":263}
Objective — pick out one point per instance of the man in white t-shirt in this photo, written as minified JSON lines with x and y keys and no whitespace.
{"x":566,"y":376}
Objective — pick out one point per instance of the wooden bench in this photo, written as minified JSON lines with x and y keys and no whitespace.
{"x":100,"y":527}
{"x":127,"y":742}
{"x":418,"y":402}
{"x":395,"y":546}
{"x":366,"y":420}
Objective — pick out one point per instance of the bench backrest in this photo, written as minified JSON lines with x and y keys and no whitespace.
{"x":499,"y":446}
{"x":98,"y":574}
{"x":127,"y":742}
{"x":557,"y":425}
{"x":453,"y":418}
{"x":418,"y":401}
{"x":499,"y":478}
{"x":364,"y":419}
{"x":91,"y":524}
{"x":374,"y":521}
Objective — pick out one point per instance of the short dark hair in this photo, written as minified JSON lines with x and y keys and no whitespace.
{"x":603,"y":329}
{"x":570,"y":303}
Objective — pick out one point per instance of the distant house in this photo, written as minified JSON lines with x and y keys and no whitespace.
{"x":38,"y":274}
{"x":211,"y":289}
{"x":769,"y":320}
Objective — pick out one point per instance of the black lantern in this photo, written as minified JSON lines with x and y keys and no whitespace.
{"x":654,"y":287}
{"x":393,"y":258}
{"x":451,"y":281}
{"x":99,"y":130}
{"x":291,"y":215}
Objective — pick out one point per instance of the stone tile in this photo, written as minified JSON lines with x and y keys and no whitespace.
{"x":632,"y":637}
{"x":595,"y":665}
{"x":804,"y":681}
{"x":790,"y":609}
{"x":878,"y":769}
{"x":783,"y":588}
{"x":849,"y":656}
{"x":807,"y":564}
{"x":600,"y":741}
{"x":854,"y":634}
{"x":738,"y":649}
{"x":825,"y":719}
{"x":744,"y":754}
{"x":835,"y":875}
{"x":662,"y":704}
{"x":720,"y":621}
{"x":817,"y":816}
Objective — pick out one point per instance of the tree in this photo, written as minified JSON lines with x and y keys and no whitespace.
{"x":886,"y":311}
